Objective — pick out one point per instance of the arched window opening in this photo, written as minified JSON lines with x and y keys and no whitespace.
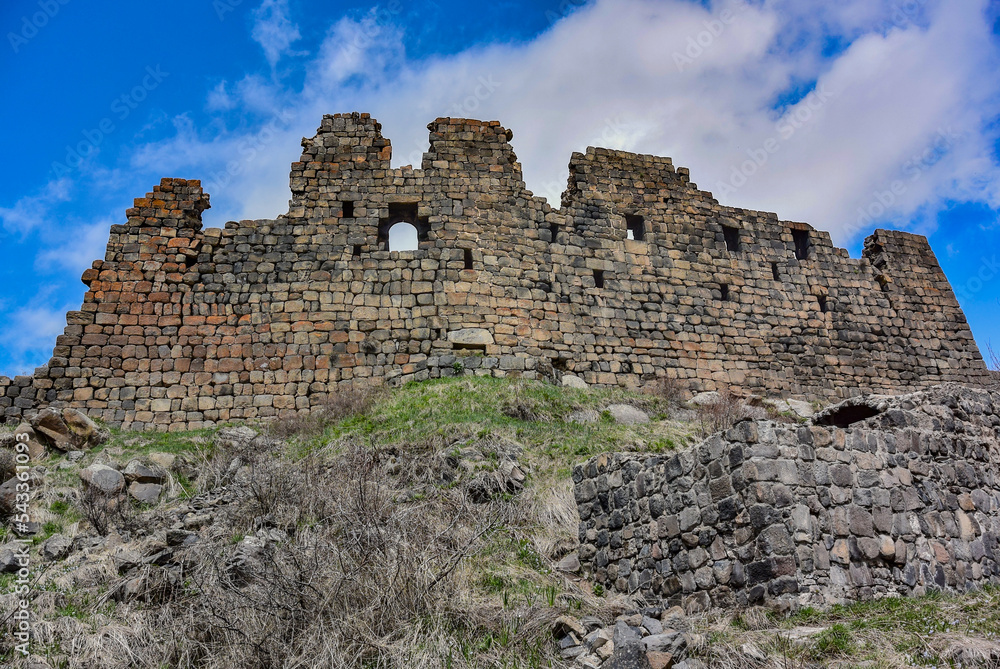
{"x":403,"y":229}
{"x":403,"y":237}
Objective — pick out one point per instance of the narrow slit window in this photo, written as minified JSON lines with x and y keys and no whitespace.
{"x":348,"y":208}
{"x":774,"y":271}
{"x":635,"y":227}
{"x":356,"y":251}
{"x":724,"y":289}
{"x":823,"y":306}
{"x":553,"y":232}
{"x":468,"y":258}
{"x":599,"y":278}
{"x":802,"y":244}
{"x":732,"y":236}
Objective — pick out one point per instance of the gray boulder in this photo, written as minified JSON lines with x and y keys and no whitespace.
{"x":103,"y":478}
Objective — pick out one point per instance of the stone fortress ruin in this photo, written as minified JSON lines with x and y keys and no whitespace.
{"x":639,"y":274}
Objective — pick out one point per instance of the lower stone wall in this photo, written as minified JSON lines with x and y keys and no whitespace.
{"x":876,"y":496}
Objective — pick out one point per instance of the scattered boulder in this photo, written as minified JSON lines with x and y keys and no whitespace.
{"x":8,"y":496}
{"x":565,"y":625}
{"x":627,"y":414}
{"x":569,"y":564}
{"x":9,"y":441}
{"x":232,"y":437}
{"x":68,"y":429}
{"x":584,"y":416}
{"x":55,"y":547}
{"x":10,"y":558}
{"x":137,"y":471}
{"x":103,"y":478}
{"x":800,"y":408}
{"x":181,"y":537}
{"x":570,"y":381}
{"x":146,"y":493}
{"x":706,"y":399}
{"x":165,"y":461}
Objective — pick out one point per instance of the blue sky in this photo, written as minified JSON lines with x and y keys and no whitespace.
{"x":850,"y":115}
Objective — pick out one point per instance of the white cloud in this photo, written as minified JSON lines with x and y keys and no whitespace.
{"x":28,"y":333}
{"x":273,"y":30}
{"x":33,"y":211}
{"x":75,"y":251}
{"x":609,"y":74}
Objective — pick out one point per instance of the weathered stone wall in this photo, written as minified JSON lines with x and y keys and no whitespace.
{"x":184,"y":326}
{"x":898,"y":502}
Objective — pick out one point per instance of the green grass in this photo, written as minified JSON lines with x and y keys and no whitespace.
{"x":449,"y":411}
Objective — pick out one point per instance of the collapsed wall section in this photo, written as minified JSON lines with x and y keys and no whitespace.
{"x":874,"y":497}
{"x":639,"y":274}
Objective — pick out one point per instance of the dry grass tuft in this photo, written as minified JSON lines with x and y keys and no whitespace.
{"x":340,"y":404}
{"x":726,"y":412}
{"x":667,"y":388}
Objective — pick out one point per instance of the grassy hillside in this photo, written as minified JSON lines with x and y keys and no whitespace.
{"x":418,"y":527}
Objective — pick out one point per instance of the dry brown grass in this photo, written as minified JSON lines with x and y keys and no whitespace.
{"x":667,"y":388}
{"x":726,"y":412}
{"x":340,"y":404}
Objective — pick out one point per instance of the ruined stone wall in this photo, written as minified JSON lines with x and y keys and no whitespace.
{"x":185,"y":327}
{"x":899,"y":502}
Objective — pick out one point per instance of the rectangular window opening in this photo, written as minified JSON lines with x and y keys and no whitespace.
{"x":468,"y":258}
{"x":774,"y":271}
{"x":348,"y":208}
{"x":823,"y":306}
{"x":732,"y":236}
{"x":599,"y":278}
{"x":724,"y":289}
{"x":635,"y":227}
{"x":553,"y":232}
{"x":356,"y":251}
{"x":802,"y":244}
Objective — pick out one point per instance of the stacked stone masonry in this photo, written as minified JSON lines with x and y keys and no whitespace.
{"x":639,"y":274}
{"x":875,"y":497}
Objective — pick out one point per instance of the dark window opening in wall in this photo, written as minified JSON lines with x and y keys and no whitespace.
{"x":356,"y":251}
{"x":724,"y":289}
{"x":553,"y":232}
{"x":774,"y":271}
{"x":348,"y":208}
{"x":403,"y":229}
{"x":468,"y":258}
{"x":802,"y":244}
{"x":823,"y":306}
{"x":732,"y":236}
{"x":599,"y":278}
{"x":635,"y":227}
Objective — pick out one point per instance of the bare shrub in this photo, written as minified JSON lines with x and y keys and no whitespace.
{"x":667,"y":388}
{"x":725,"y":412}
{"x":8,"y":467}
{"x":106,"y":512}
{"x":342,"y":403}
{"x":329,"y":567}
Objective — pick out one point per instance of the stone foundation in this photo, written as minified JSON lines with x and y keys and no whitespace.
{"x":874,"y":497}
